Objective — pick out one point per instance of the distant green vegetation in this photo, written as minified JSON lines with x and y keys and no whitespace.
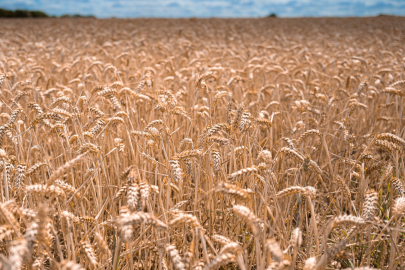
{"x":22,"y":14}
{"x":4,"y":13}
{"x":77,"y":16}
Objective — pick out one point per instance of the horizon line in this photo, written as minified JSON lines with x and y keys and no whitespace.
{"x":269,"y":15}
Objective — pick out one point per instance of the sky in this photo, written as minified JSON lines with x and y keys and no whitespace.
{"x":210,"y":8}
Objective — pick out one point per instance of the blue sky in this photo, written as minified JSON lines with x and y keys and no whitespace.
{"x":210,"y":8}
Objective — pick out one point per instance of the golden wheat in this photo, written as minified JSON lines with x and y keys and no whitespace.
{"x":202,"y":144}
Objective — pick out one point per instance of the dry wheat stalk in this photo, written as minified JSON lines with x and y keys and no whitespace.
{"x":221,"y":239}
{"x":110,"y":138}
{"x":369,"y":205}
{"x":175,"y":257}
{"x":307,"y":191}
{"x":219,"y":260}
{"x":243,"y":173}
{"x":182,"y":218}
{"x":69,"y":265}
{"x":251,"y":219}
{"x":237,"y":192}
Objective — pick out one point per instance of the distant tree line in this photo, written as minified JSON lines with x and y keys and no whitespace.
{"x":77,"y":16}
{"x":19,"y":13}
{"x":22,"y":14}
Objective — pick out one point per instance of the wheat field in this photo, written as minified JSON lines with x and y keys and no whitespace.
{"x":202,"y":143}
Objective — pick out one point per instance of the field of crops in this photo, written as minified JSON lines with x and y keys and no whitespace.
{"x":202,"y":143}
